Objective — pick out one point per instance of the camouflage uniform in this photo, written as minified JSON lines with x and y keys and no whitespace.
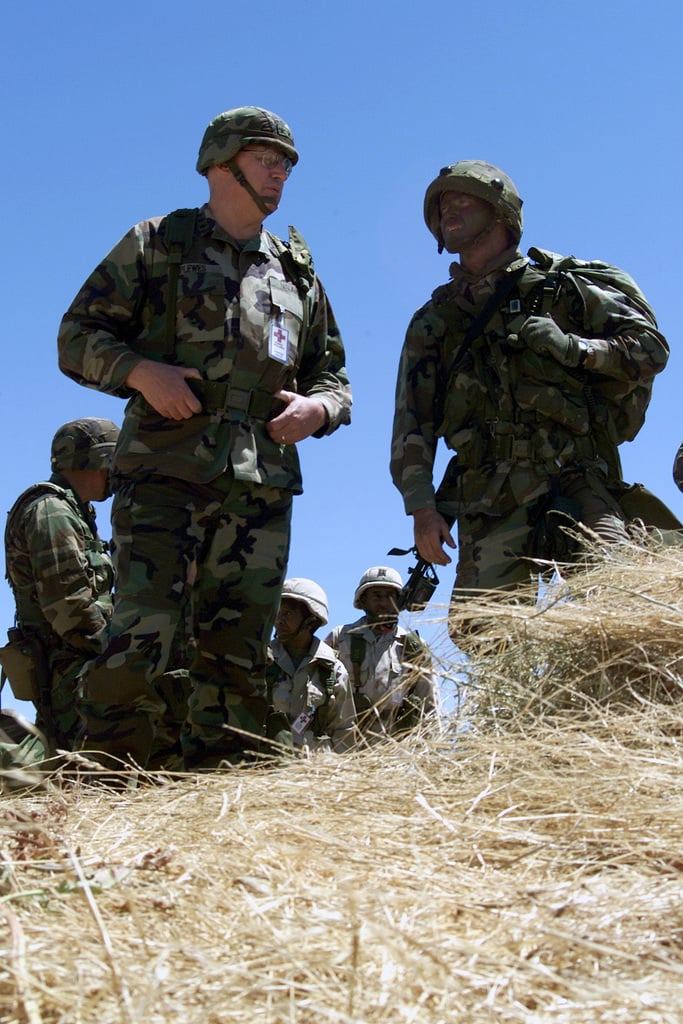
{"x":396,"y":683}
{"x":315,"y":694}
{"x":678,"y":468}
{"x":530,"y":433}
{"x":202,"y":506}
{"x":61,"y":576}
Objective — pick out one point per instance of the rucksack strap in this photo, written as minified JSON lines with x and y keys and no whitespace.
{"x":179,"y":230}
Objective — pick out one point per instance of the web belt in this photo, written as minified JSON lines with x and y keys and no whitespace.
{"x":221,"y":396}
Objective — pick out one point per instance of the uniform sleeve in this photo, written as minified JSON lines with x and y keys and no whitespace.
{"x":322,"y":370}
{"x":63,"y":577}
{"x":107,"y":310}
{"x":626,"y":344}
{"x":417,"y":412}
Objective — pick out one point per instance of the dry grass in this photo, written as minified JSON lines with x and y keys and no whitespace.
{"x":527,"y":869}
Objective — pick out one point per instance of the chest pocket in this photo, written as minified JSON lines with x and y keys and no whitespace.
{"x":288,"y":312}
{"x":200,"y":304}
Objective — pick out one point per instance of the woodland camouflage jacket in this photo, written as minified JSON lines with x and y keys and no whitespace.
{"x":229,"y":298}
{"x":57,"y":566}
{"x":515,"y":418}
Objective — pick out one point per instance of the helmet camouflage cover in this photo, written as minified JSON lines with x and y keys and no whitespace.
{"x":84,"y":444}
{"x":377,"y":576}
{"x":475,"y":178}
{"x":234,"y":129}
{"x":308,"y":593}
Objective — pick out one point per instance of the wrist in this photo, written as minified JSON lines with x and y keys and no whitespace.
{"x":584,"y":354}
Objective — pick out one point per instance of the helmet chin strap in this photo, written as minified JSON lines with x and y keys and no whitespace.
{"x":466,"y":246}
{"x":265,"y":205}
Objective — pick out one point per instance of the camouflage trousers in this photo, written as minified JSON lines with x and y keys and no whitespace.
{"x":497,"y":552}
{"x":218,"y":553}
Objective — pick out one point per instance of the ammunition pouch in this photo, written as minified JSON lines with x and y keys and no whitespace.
{"x":549,"y":539}
{"x":278,"y":729}
{"x":361,"y":702}
{"x":637,"y":502}
{"x":21,"y":665}
{"x":409,"y":714}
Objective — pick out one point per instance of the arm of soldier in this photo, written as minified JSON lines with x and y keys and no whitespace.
{"x":343,"y":716}
{"x":595,"y":328}
{"x":417,"y":415}
{"x":107,"y":310}
{"x":323,"y":401}
{"x":63,"y":578}
{"x":431,"y":532}
{"x":164,"y":388}
{"x":623,"y":344}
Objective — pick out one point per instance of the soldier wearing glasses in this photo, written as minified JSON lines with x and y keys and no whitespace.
{"x":223,"y":380}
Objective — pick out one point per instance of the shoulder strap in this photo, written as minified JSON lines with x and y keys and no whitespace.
{"x":297,"y":260}
{"x":179,"y":229}
{"x":34,"y":491}
{"x":412,"y":644}
{"x":357,"y":654}
{"x":495,"y":301}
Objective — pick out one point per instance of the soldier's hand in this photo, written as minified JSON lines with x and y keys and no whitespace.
{"x":302,"y":417}
{"x":543,"y":335}
{"x":431,"y":532}
{"x":164,"y":387}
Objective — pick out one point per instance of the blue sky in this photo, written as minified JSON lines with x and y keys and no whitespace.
{"x":104,"y":109}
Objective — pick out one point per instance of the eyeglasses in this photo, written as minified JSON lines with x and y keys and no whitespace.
{"x":271,"y":158}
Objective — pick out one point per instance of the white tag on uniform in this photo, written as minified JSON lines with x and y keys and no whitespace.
{"x":278,"y":342}
{"x":302,"y":721}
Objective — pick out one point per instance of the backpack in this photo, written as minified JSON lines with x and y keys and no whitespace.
{"x":627,"y":411}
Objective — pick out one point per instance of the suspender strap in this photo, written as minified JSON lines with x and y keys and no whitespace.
{"x":179,"y":228}
{"x":357,"y":654}
{"x":494,"y":303}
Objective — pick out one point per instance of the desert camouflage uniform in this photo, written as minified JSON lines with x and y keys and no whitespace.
{"x":61,"y":577}
{"x":393,"y":688}
{"x":215,"y":486}
{"x":319,"y":686}
{"x":527,"y":430}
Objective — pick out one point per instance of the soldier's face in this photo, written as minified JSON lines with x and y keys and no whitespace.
{"x":290,"y":618}
{"x":462,"y":219}
{"x":267,"y":181}
{"x":379,"y":604}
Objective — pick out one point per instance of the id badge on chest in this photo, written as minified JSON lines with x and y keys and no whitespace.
{"x":278,"y":340}
{"x":302,"y":721}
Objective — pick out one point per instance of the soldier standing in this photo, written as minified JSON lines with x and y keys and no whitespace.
{"x":390,"y":667}
{"x":60,"y":571}
{"x":307,"y":684}
{"x":224,"y":379}
{"x":533,"y":371}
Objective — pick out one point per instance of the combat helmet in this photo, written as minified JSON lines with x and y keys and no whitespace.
{"x":377,"y":576}
{"x":308,"y":593}
{"x":475,"y":178}
{"x":84,"y":444}
{"x":234,"y":129}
